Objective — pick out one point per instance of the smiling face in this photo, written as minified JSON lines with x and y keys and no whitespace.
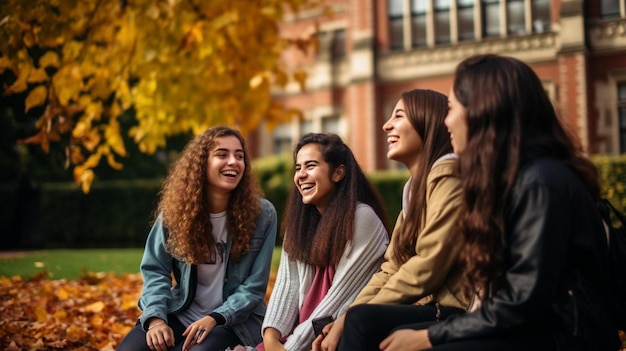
{"x":403,"y":142}
{"x":225,"y":165}
{"x":312,"y":177}
{"x":456,"y":121}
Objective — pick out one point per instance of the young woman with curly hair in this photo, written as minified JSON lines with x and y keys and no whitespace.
{"x":335,"y":234}
{"x":214,"y":234}
{"x":420,"y":267}
{"x":534,"y":236}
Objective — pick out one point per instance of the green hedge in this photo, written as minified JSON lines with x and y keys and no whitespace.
{"x":119,"y":213}
{"x":59,"y":215}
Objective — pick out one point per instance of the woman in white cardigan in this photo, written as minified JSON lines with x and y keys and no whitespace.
{"x":335,"y":235}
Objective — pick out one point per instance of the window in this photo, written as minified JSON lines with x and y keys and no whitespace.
{"x":442,"y":21}
{"x":610,"y":8}
{"x":306,"y":126}
{"x":491,"y":18}
{"x":395,"y":12}
{"x":540,"y":15}
{"x":339,"y":44}
{"x":621,"y":111}
{"x":428,"y":23}
{"x":515,"y":17}
{"x":418,"y":23}
{"x":331,"y":124}
{"x":282,"y":139}
{"x":465,"y":10}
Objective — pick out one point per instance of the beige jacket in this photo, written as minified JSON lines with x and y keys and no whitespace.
{"x":431,"y":275}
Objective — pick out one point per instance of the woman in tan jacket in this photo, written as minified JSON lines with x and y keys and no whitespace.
{"x":420,"y":262}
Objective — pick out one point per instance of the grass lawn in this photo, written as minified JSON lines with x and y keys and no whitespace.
{"x":70,"y":264}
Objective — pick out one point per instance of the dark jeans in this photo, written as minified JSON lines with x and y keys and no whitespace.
{"x":367,"y":325}
{"x":219,"y":339}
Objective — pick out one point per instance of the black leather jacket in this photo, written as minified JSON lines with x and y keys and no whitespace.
{"x":554,"y":280}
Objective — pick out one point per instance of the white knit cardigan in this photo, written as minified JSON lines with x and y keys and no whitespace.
{"x":361,"y":259}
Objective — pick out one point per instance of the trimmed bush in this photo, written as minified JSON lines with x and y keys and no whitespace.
{"x":119,"y":213}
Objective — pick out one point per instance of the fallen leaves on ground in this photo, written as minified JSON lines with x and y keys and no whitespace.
{"x":92,"y":313}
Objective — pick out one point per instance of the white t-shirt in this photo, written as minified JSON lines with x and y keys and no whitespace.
{"x":210,"y":276}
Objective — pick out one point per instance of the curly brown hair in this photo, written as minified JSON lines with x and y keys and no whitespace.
{"x":184,"y":202}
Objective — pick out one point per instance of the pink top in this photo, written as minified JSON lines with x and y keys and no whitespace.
{"x":321,"y":284}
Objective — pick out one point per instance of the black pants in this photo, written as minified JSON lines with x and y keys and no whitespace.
{"x":219,"y":339}
{"x":367,"y":325}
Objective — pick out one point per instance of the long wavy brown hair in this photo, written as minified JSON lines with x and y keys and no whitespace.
{"x":320,"y":239}
{"x":426,"y":110}
{"x":184,"y":202}
{"x":510,"y":119}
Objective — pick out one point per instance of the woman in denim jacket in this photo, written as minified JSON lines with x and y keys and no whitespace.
{"x":214,"y":234}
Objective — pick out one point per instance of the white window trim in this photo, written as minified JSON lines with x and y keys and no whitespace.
{"x":478,"y":30}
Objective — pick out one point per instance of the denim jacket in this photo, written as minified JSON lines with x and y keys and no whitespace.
{"x":245,"y":281}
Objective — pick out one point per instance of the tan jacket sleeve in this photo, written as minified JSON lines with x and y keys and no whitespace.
{"x":426,"y":272}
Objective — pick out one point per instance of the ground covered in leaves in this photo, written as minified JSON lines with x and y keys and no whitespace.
{"x":90,"y":313}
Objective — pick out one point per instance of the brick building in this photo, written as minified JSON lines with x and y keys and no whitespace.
{"x":372,"y":50}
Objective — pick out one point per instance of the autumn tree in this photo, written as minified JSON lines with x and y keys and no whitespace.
{"x":180,"y":66}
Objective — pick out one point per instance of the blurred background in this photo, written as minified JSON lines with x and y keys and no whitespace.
{"x":98,"y":97}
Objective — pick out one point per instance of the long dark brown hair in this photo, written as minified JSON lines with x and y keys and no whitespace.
{"x":510,"y":119}
{"x":184,"y":203}
{"x":321,"y":239}
{"x":426,"y":110}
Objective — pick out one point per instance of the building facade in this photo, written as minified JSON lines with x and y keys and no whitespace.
{"x":371,"y":50}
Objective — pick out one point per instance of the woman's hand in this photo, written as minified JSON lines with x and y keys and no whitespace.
{"x":271,"y":340}
{"x":407,"y":340}
{"x":159,"y":335}
{"x":197,"y":331}
{"x":330,"y":336}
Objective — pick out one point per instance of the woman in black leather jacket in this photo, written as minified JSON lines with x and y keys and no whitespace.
{"x":534,"y":238}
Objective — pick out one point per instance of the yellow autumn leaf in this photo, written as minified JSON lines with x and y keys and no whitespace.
{"x":41,"y":314}
{"x":62,"y":294}
{"x":258,"y":79}
{"x":81,"y":128}
{"x":37,"y":76}
{"x":111,"y":161}
{"x":61,"y":314}
{"x":129,"y":302}
{"x":36,"y":97}
{"x":300,"y":77}
{"x":280,"y":78}
{"x":95,"y":307}
{"x":93,"y":111}
{"x":196,"y":31}
{"x":96,"y":320}
{"x":29,"y":40}
{"x":19,"y":86}
{"x":85,"y":180}
{"x":5,"y":63}
{"x":114,"y":138}
{"x":91,"y":139}
{"x":49,"y":59}
{"x":6,"y":283}
{"x":75,"y":333}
